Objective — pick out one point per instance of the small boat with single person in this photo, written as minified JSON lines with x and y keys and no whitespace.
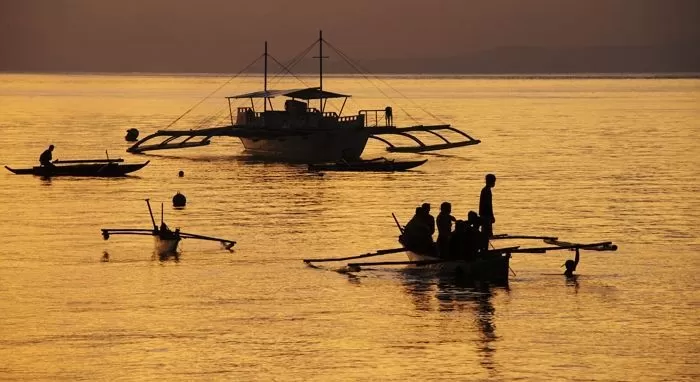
{"x":166,"y":240}
{"x":372,"y":165}
{"x":82,"y":167}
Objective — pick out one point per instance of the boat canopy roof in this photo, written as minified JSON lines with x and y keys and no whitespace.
{"x":305,"y":94}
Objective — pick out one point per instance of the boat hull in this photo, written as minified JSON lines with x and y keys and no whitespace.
{"x":326,"y":145}
{"x":492,"y":267}
{"x":85,"y":169}
{"x":164,"y":247}
{"x":379,"y":166}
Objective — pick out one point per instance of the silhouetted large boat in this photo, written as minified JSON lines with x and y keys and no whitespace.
{"x":83,"y":167}
{"x":302,"y":133}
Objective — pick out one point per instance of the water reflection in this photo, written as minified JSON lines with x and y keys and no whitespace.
{"x":572,"y":281}
{"x":445,"y":293}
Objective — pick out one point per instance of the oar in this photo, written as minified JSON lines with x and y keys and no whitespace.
{"x":148,"y":203}
{"x":397,"y":222}
{"x":377,"y":253}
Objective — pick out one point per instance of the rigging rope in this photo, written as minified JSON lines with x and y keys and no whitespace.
{"x":364,"y":73}
{"x":212,"y":93}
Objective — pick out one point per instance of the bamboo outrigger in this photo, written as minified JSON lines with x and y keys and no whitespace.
{"x":166,"y":240}
{"x":492,"y":265}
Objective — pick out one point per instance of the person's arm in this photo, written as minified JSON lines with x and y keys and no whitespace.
{"x":576,"y":259}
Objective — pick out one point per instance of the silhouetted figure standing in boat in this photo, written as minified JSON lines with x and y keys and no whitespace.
{"x":570,"y":265}
{"x":444,"y":226}
{"x":389,"y":116}
{"x":45,"y":158}
{"x":486,"y":206}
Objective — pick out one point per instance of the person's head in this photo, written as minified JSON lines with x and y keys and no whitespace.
{"x":570,"y":266}
{"x":490,"y":180}
{"x":425,"y":207}
{"x":473,"y":218}
{"x":50,"y":147}
{"x":181,"y":173}
{"x":446,"y":207}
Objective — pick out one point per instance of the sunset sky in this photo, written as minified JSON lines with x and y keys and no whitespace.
{"x":225,"y":35}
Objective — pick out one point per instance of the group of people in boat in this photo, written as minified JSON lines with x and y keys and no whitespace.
{"x":468,"y":239}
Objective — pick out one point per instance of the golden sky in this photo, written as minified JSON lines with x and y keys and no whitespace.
{"x":225,"y":35}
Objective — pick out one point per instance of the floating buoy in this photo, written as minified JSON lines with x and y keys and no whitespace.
{"x":131,"y":135}
{"x":181,"y":173}
{"x":179,"y":200}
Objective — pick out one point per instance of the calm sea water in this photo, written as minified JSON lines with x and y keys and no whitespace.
{"x":579,"y":158}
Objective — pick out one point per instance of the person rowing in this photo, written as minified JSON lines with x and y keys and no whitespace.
{"x":46,"y":157}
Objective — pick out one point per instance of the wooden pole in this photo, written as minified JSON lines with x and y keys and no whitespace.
{"x":397,"y":222}
{"x":377,"y":253}
{"x":150,"y":212}
{"x":417,"y":262}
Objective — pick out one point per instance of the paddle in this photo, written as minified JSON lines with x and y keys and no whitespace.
{"x":397,"y":223}
{"x":148,"y":203}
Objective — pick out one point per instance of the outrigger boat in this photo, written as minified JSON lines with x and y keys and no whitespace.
{"x":166,"y":240}
{"x":491,"y":266}
{"x":300,"y":133}
{"x":82,"y":167}
{"x":379,"y":164}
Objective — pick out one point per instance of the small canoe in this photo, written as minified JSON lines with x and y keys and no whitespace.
{"x":108,"y":169}
{"x":380,"y":164}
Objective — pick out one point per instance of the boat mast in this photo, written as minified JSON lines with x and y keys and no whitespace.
{"x":265,"y":80}
{"x":320,"y":67}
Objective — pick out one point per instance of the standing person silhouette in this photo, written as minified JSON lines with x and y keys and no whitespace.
{"x":486,"y":207}
{"x":388,"y":114}
{"x":45,"y":158}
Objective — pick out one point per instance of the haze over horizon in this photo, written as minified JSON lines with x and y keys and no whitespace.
{"x":390,"y":36}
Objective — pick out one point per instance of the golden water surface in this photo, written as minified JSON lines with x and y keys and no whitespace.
{"x":579,"y":158}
